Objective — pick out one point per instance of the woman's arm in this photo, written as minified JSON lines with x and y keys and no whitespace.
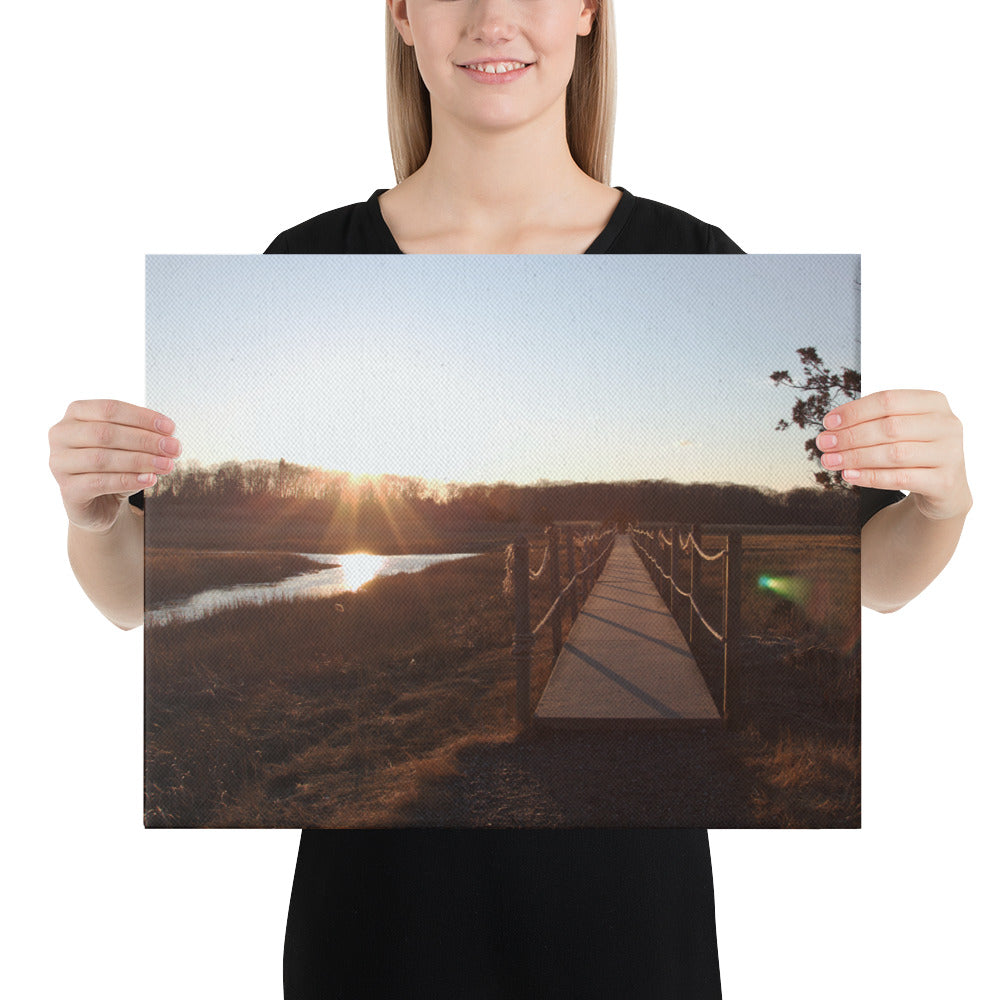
{"x":904,"y":439}
{"x":902,"y":551}
{"x":102,"y":451}
{"x":109,"y":566}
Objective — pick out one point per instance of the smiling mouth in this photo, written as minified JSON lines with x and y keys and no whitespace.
{"x":495,"y":68}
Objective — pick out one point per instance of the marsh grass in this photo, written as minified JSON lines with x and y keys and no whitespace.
{"x":797,"y":700}
{"x":172,"y":574}
{"x":298,"y":700}
{"x":398,"y":709}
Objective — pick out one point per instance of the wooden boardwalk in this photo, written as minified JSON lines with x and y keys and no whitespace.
{"x":625,"y":660}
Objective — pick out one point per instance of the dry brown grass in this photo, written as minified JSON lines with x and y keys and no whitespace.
{"x":297,"y":702}
{"x":398,"y":711}
{"x":172,"y":574}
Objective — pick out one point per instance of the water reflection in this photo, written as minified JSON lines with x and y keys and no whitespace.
{"x":335,"y":573}
{"x":360,"y":567}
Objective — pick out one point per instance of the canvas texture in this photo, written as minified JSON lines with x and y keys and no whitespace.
{"x":501,"y":541}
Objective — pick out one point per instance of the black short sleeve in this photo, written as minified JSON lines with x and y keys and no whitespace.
{"x":138,"y":500}
{"x":872,"y":501}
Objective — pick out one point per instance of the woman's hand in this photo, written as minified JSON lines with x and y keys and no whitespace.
{"x":905,"y":439}
{"x":102,"y":451}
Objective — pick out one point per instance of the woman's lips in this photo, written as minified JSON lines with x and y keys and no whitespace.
{"x":496,"y":71}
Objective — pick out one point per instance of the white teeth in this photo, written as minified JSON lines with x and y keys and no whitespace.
{"x":496,"y":67}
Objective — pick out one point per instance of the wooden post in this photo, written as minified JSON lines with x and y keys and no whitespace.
{"x":552,"y":540}
{"x":588,"y":555}
{"x":733,"y":599}
{"x":651,"y":545}
{"x":675,"y":565}
{"x":665,"y":551}
{"x":661,"y":557}
{"x":571,"y":572}
{"x":523,"y":639}
{"x":661,"y":552}
{"x":695,"y":578}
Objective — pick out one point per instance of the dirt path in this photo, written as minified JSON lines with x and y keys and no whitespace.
{"x":564,"y":778}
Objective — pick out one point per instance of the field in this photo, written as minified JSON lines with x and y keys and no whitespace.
{"x":394,"y":706}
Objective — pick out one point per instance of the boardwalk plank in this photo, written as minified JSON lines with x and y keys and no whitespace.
{"x":625,"y":660}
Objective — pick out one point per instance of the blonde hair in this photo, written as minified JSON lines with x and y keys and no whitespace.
{"x":590,"y":100}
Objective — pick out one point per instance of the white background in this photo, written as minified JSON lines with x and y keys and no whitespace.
{"x":210,"y":126}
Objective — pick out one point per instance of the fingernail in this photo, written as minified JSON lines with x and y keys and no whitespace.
{"x":170,"y":445}
{"x":832,"y":461}
{"x":164,"y":425}
{"x":832,"y":421}
{"x":147,"y":478}
{"x":162,"y":463}
{"x":851,"y":474}
{"x":827,"y":441}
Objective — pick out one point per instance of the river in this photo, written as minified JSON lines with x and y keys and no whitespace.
{"x":336,"y":574}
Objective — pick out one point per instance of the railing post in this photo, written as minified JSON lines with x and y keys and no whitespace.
{"x":675,"y":544}
{"x":523,"y":639}
{"x":660,"y":550}
{"x":552,"y":540}
{"x":695,"y":579}
{"x":588,"y":554}
{"x":571,"y":572}
{"x":733,"y":600}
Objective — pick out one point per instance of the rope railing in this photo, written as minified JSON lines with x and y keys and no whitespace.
{"x":689,"y":540}
{"x":518,"y":578}
{"x":652,"y":561}
{"x":687,"y":594}
{"x":666,"y":544}
{"x":536,"y":573}
{"x":677,"y":589}
{"x":564,"y":593}
{"x":669,"y":548}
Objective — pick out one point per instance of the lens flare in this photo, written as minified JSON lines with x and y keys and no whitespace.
{"x":792,"y":588}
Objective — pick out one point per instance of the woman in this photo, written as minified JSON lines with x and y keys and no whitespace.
{"x":504,"y":147}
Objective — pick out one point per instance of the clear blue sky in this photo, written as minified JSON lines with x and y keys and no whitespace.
{"x":486,"y":368}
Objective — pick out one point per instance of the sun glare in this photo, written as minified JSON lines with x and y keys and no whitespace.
{"x":360,"y":567}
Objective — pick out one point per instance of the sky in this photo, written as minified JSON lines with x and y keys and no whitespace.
{"x":484,"y":368}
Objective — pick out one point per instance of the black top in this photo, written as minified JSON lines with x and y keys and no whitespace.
{"x":637,"y":225}
{"x":480,"y":914}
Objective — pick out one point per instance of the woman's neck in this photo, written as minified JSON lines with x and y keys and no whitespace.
{"x":510,"y":191}
{"x":498,"y":173}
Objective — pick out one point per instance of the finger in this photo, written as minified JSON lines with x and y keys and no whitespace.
{"x":889,"y":402}
{"x":917,"y":427}
{"x":114,"y":411}
{"x":898,"y":455}
{"x":923,"y":481}
{"x":82,"y":488}
{"x":106,"y":460}
{"x":99,"y":434}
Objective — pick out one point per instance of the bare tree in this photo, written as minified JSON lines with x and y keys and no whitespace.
{"x":824,"y":390}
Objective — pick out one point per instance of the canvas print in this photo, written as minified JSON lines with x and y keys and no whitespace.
{"x":492,"y":541}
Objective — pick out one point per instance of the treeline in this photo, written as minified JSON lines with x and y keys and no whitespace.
{"x":376,"y":503}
